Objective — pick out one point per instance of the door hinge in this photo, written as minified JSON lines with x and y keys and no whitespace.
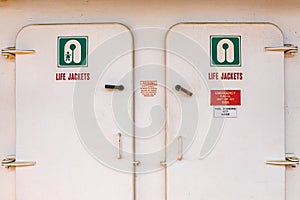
{"x":136,"y":163}
{"x":288,"y":49}
{"x":290,"y":161}
{"x":163,"y":163}
{"x":11,"y":52}
{"x":10,"y":161}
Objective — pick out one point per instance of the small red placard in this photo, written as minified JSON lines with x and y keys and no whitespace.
{"x":225,"y":97}
{"x":148,"y":88}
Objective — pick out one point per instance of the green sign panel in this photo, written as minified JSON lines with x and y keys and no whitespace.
{"x":225,"y":51}
{"x":72,"y":51}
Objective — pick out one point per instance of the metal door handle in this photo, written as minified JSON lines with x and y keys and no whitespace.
{"x":287,"y":49}
{"x":10,"y":52}
{"x":179,"y":148}
{"x":119,"y":156}
{"x":10,"y":161}
{"x":290,"y":161}
{"x":117,"y":87}
{"x":179,"y":88}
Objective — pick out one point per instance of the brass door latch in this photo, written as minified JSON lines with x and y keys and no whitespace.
{"x":290,"y":161}
{"x":10,"y":161}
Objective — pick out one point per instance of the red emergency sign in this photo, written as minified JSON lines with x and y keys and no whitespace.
{"x":225,"y":97}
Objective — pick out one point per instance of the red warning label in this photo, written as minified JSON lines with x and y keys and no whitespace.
{"x":225,"y":97}
{"x":148,"y":88}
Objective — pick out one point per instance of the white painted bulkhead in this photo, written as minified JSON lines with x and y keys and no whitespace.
{"x":138,"y":15}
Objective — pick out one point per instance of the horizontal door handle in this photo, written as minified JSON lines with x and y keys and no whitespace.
{"x":19,"y":164}
{"x":117,"y":87}
{"x":287,"y":49}
{"x":282,"y":163}
{"x":290,"y":161}
{"x":10,"y":161}
{"x":17,"y":51}
{"x":10,"y":52}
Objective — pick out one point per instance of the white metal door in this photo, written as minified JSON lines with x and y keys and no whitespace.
{"x":68,"y":121}
{"x":220,"y":136}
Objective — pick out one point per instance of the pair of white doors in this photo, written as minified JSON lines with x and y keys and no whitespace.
{"x":198,"y":128}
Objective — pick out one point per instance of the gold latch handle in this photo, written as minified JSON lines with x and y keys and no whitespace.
{"x":11,"y":52}
{"x":19,"y":164}
{"x":10,"y":161}
{"x":290,"y":161}
{"x":287,"y":49}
